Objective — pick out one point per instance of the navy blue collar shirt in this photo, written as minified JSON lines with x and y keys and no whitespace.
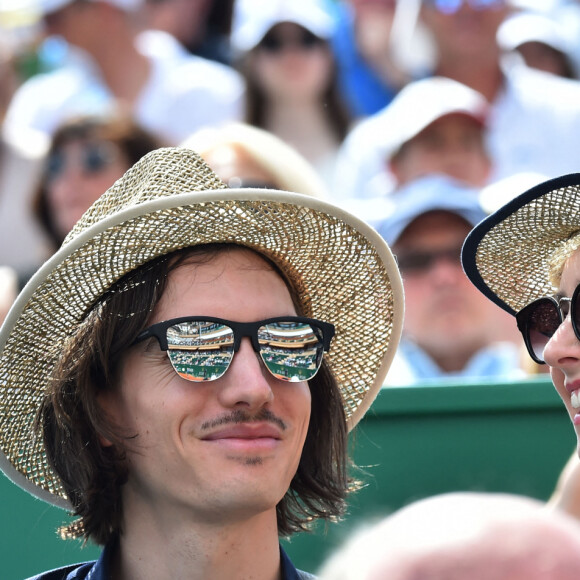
{"x":100,"y":570}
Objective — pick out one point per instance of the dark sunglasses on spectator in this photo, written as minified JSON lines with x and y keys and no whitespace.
{"x":275,"y":42}
{"x":453,"y":6}
{"x":94,"y":158}
{"x":422,"y":261}
{"x":539,"y":320}
{"x":201,"y":348}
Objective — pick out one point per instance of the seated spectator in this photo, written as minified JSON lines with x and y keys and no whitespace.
{"x":245,"y":156}
{"x":460,"y":536}
{"x":450,"y":329}
{"x":534,"y":124}
{"x":434,"y":125}
{"x":170,"y":92}
{"x":284,"y":54}
{"x":87,"y":155}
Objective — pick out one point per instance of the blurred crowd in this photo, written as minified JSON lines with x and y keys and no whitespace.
{"x":418,"y":116}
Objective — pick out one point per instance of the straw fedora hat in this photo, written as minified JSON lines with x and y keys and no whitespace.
{"x":342,"y":269}
{"x":508,"y":254}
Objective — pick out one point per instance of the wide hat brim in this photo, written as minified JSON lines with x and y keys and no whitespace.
{"x":508,"y":254}
{"x":342,"y":269}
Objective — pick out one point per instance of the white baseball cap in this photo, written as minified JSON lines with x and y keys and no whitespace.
{"x":426,"y":194}
{"x":525,"y":27}
{"x":420,"y":104}
{"x":49,"y":6}
{"x":254,"y":18}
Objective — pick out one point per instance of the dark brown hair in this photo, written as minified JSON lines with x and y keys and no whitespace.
{"x":73,"y":424}
{"x":133,"y":140}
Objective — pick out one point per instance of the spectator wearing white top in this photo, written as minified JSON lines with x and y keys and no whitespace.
{"x":169,"y":91}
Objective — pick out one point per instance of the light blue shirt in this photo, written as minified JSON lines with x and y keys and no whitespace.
{"x":413,"y":366}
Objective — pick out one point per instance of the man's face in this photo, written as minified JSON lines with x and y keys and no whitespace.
{"x":453,"y":145}
{"x":444,"y":312}
{"x":190,"y":457}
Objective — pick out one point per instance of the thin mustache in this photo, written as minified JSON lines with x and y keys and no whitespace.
{"x":240,"y":416}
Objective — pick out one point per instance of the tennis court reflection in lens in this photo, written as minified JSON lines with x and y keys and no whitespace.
{"x":203,"y":350}
{"x":292,"y":351}
{"x":200,"y":350}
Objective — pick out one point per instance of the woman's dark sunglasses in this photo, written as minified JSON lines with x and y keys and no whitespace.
{"x":201,"y":348}
{"x":540,"y":319}
{"x":275,"y":43}
{"x":94,"y":158}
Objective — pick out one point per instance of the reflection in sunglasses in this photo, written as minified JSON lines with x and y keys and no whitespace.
{"x":201,"y":349}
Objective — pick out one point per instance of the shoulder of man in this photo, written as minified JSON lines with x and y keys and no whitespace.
{"x":71,"y":572}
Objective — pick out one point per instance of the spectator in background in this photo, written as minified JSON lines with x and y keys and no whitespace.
{"x":170,"y":92}
{"x":450,"y":330}
{"x":435,"y":125}
{"x":284,"y":53}
{"x":87,"y":155}
{"x":460,"y":536}
{"x":245,"y":156}
{"x":203,"y":27}
{"x":534,"y":124}
{"x":540,"y":41}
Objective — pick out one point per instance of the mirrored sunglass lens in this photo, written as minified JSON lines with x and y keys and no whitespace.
{"x":292,"y":351}
{"x":200,"y":350}
{"x":543,"y":321}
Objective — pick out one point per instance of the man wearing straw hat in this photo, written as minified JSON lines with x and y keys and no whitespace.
{"x":183,"y":373}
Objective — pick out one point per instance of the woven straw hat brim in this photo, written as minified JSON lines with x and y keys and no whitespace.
{"x":507,"y":255}
{"x":343,"y":270}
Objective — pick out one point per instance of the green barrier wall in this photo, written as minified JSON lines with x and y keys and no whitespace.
{"x":414,"y":442}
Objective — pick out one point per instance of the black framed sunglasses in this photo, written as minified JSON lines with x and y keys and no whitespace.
{"x":539,"y":320}
{"x":201,"y":348}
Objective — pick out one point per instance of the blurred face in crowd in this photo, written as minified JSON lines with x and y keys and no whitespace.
{"x":445,"y":314}
{"x":79,"y":172}
{"x":464,"y":28}
{"x":453,"y":145}
{"x":292,"y":64}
